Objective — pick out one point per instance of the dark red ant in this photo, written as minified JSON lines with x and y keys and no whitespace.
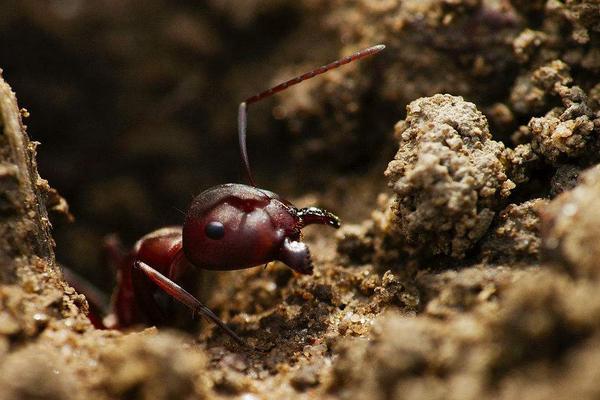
{"x":227,"y":227}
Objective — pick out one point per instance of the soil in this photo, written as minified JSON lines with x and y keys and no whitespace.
{"x":462,"y":160}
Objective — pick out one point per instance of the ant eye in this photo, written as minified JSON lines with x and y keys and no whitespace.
{"x":215,"y":230}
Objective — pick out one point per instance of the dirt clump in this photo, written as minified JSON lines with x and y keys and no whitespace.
{"x":516,"y":235}
{"x":449,"y":176}
{"x":570,"y":227}
{"x":567,"y":131}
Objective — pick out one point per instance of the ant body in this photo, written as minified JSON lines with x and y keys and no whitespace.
{"x":227,"y":227}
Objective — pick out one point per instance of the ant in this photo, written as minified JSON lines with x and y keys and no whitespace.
{"x":227,"y":227}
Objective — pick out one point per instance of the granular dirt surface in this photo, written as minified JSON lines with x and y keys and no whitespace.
{"x":463,"y":161}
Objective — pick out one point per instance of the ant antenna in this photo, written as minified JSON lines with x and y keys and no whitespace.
{"x":243,"y":113}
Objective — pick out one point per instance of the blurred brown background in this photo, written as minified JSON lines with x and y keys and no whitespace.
{"x":135,"y":105}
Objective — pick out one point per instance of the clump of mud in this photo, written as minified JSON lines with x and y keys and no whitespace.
{"x":567,"y":131}
{"x":570,"y":227}
{"x":471,"y":274}
{"x":449,"y":176}
{"x":516,"y":235}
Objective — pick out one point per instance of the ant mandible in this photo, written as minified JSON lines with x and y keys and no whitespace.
{"x":227,"y":227}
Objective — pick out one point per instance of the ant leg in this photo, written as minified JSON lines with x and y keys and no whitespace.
{"x":184,"y":297}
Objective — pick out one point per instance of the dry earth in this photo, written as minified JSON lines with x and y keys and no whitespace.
{"x":472,"y":274}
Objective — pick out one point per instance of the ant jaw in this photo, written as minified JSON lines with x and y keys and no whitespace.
{"x":316,"y":215}
{"x":296,"y":255}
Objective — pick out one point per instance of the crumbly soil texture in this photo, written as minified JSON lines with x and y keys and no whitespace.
{"x":463,"y":160}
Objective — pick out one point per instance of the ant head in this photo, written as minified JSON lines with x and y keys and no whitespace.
{"x":236,"y":226}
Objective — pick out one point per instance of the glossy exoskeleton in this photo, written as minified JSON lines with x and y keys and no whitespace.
{"x":227,"y":227}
